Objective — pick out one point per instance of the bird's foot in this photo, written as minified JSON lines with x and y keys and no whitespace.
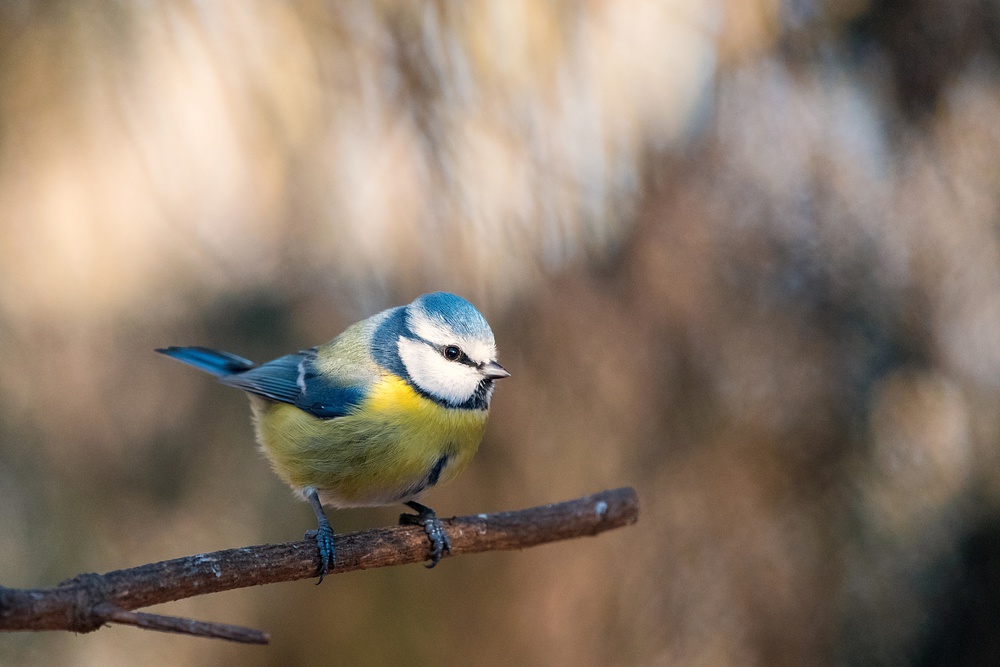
{"x":432,"y":525}
{"x":323,"y":535}
{"x":327,"y":552}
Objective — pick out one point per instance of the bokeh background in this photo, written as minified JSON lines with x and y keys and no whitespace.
{"x":743,"y":255}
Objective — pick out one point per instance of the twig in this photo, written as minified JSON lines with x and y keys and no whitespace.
{"x":88,"y":601}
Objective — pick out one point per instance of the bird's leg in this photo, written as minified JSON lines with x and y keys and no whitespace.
{"x":427,"y":518}
{"x":324,"y":536}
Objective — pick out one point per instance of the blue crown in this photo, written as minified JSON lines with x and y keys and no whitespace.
{"x":454,"y":311}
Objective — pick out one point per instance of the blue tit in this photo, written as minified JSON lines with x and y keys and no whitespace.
{"x":393,"y":406}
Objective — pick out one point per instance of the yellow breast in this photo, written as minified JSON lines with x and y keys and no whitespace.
{"x":390,"y":448}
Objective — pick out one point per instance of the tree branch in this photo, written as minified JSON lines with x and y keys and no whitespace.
{"x":88,"y":601}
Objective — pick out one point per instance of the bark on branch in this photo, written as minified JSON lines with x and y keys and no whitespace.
{"x":88,"y":601}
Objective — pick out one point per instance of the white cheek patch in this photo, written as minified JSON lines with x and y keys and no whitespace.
{"x":447,"y":380}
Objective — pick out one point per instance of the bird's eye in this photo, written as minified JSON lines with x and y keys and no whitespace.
{"x":451,"y":353}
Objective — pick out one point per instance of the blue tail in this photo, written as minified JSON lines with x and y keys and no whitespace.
{"x":219,"y":364}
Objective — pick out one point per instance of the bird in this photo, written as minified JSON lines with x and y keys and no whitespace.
{"x":391,"y":407}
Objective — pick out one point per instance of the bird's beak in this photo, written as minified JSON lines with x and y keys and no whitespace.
{"x":494,"y":371}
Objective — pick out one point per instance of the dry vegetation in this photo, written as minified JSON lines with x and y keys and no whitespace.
{"x":740,"y":255}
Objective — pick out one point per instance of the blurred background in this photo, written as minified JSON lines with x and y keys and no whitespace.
{"x":743,"y":255}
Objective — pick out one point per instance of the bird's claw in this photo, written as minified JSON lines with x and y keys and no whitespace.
{"x":327,"y":551}
{"x":440,"y":544}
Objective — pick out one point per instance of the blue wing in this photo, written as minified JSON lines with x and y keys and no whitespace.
{"x":290,"y":379}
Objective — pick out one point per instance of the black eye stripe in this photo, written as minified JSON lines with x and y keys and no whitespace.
{"x":463,"y":358}
{"x":456,"y":354}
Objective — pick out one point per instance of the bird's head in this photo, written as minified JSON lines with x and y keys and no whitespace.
{"x":446,"y":350}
